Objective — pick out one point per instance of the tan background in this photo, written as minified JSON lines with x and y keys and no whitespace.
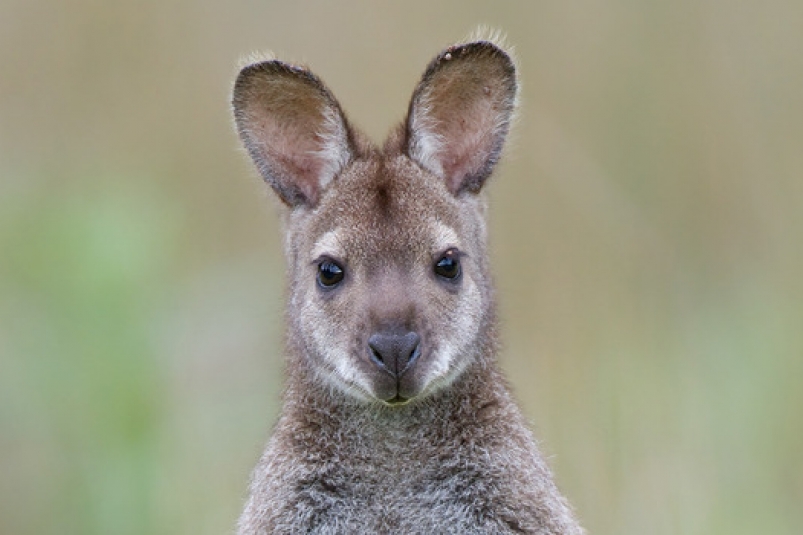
{"x":647,"y":229}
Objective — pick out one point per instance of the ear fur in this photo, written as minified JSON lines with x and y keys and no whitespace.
{"x":460,"y":114}
{"x":292,"y":127}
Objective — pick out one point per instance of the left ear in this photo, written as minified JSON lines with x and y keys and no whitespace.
{"x":460,"y":114}
{"x":293,"y":128}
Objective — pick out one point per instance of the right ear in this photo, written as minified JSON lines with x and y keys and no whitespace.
{"x":460,"y":114}
{"x":293,"y":129}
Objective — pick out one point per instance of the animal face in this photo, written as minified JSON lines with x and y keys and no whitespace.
{"x":389,"y":296}
{"x":389,"y":285}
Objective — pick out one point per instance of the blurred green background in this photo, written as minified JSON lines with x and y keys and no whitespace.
{"x":647,"y":229}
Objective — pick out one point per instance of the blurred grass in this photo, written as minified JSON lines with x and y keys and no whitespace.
{"x":647,"y":231}
{"x":83,"y":407}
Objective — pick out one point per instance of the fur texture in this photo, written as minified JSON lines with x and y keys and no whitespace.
{"x":434,"y":444}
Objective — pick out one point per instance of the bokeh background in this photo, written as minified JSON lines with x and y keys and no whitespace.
{"x":647,"y":229}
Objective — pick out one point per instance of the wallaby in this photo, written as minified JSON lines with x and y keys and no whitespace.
{"x":396,"y":417}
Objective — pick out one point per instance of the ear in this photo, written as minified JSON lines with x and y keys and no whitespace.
{"x":460,"y":114}
{"x":293,"y":129}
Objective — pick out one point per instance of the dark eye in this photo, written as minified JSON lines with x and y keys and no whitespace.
{"x":448,"y":266}
{"x":329,"y":274}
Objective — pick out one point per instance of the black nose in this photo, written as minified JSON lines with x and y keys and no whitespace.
{"x":394,"y":353}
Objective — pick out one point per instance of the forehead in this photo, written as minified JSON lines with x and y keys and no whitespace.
{"x":387,"y":207}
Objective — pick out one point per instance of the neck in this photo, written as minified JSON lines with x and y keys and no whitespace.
{"x":476,"y":397}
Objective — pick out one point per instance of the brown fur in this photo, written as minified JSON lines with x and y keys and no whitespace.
{"x":396,"y":418}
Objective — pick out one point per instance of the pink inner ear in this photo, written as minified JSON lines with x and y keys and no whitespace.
{"x":293,"y":129}
{"x":303,"y":171}
{"x":468,"y":143}
{"x":302,"y":149}
{"x":460,"y":114}
{"x":460,"y":141}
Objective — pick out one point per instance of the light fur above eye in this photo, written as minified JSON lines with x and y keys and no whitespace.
{"x":327,"y":245}
{"x":444,"y":237}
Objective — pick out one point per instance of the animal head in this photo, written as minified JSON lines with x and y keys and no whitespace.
{"x":390,"y":296}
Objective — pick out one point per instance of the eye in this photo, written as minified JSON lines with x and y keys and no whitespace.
{"x":448,"y":266}
{"x":329,"y":274}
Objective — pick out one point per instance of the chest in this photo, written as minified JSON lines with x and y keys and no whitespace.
{"x":427,"y":494}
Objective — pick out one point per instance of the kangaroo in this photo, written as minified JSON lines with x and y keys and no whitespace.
{"x":396,"y":417}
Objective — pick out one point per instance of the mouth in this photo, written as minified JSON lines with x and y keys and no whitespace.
{"x":396,"y":401}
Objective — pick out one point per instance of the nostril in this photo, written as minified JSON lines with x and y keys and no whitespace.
{"x":414,"y":354}
{"x":411,"y":350}
{"x":376,"y":354}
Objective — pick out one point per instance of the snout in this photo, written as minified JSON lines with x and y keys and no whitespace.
{"x":394,"y":354}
